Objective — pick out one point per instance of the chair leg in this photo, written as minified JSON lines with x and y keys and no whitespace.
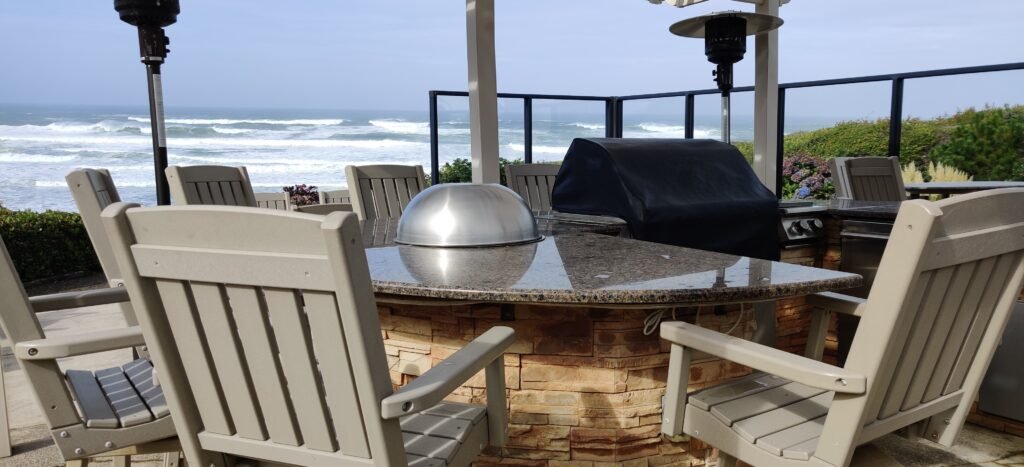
{"x":122,"y":461}
{"x":172,"y":459}
{"x":725,"y":460}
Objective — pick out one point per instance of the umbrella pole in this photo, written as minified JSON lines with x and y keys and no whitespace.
{"x":153,"y":45}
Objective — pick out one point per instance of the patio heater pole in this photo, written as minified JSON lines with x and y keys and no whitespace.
{"x":151,"y":16}
{"x":726,"y":118}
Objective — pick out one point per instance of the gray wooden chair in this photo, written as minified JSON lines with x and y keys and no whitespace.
{"x":840,"y":179}
{"x":335,"y":197}
{"x":383,"y":190}
{"x":950,"y":275}
{"x":281,"y":200}
{"x":324,"y":209}
{"x":312,"y":388}
{"x":210,"y":184}
{"x":112,"y":412}
{"x":533,"y":182}
{"x":93,"y":190}
{"x":875,"y":179}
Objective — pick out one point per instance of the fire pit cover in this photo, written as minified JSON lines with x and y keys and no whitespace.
{"x":686,"y":192}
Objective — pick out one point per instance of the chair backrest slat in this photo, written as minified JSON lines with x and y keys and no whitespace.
{"x":253,"y":316}
{"x":289,"y":324}
{"x":191,"y":344}
{"x":228,"y":357}
{"x":335,"y":197}
{"x":280,"y":200}
{"x":210,"y":184}
{"x":875,"y":179}
{"x":533,"y":183}
{"x":383,"y":191}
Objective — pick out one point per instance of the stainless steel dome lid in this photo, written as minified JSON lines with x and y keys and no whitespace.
{"x":467,"y":215}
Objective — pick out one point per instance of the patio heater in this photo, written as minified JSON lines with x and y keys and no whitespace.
{"x":151,"y":16}
{"x":725,"y":43}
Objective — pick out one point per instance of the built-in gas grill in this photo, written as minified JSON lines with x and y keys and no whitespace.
{"x":693,"y":193}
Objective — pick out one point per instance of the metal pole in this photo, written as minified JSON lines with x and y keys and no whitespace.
{"x":688,"y":122}
{"x":618,"y":117}
{"x":153,"y":45}
{"x":435,"y":162}
{"x":609,"y":118}
{"x":780,"y":146}
{"x":896,"y":118}
{"x":528,"y":130}
{"x":726,"y":118}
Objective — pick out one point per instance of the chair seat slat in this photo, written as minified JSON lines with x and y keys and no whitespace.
{"x":778,"y":442}
{"x":95,"y":409}
{"x":740,"y":409}
{"x":140,"y":373}
{"x":127,"y":404}
{"x":741,"y":387}
{"x":782,"y":418}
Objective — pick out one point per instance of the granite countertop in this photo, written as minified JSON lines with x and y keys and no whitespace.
{"x":880,"y":210}
{"x":592,"y":269}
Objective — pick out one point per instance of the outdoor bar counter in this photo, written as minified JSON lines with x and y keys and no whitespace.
{"x":585,"y":382}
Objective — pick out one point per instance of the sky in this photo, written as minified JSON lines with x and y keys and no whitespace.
{"x":330,"y":54}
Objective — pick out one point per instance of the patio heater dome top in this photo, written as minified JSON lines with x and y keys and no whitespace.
{"x":467,"y":215}
{"x":756,"y":23}
{"x":148,"y":13}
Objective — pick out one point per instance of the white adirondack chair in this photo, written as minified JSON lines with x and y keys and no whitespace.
{"x":383,"y":190}
{"x":93,"y":190}
{"x":335,"y":197}
{"x":210,"y":184}
{"x":280,"y":200}
{"x":324,"y":209}
{"x":313,"y":387}
{"x":950,"y":274}
{"x":112,"y":412}
{"x":533,"y":182}
{"x":875,"y":179}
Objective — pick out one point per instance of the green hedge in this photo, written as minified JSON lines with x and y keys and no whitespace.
{"x":45,"y":245}
{"x":460,"y":170}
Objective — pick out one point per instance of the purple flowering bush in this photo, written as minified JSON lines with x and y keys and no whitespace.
{"x":303,"y":195}
{"x":806,"y":177}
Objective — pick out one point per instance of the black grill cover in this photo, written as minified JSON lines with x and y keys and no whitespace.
{"x":694,"y":193}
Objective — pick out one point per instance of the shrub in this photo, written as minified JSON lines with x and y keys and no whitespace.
{"x":806,"y":177}
{"x":988,"y":144}
{"x":46,"y":245}
{"x":460,"y":170}
{"x":303,"y":195}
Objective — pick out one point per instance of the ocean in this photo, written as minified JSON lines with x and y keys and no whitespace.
{"x":40,"y":145}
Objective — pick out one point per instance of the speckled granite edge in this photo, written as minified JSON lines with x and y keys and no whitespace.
{"x":620,"y":297}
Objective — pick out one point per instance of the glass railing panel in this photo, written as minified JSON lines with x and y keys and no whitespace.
{"x":654,"y":118}
{"x":557,"y":122}
{"x":965,"y":126}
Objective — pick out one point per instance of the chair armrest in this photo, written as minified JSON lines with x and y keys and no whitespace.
{"x":845,"y":304}
{"x":63,"y":301}
{"x":777,"y":362}
{"x":79,"y":344}
{"x":431,"y":387}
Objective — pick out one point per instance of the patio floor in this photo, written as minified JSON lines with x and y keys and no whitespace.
{"x":977,"y":446}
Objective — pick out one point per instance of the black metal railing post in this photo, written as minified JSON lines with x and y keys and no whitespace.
{"x":618,"y":117}
{"x":780,"y":142}
{"x":528,"y":130}
{"x":688,"y":118}
{"x":896,"y":118}
{"x":609,"y":117}
{"x":435,"y":160}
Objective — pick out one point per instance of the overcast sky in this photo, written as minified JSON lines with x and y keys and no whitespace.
{"x":372,"y":54}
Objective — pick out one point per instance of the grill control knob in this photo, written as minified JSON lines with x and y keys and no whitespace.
{"x":796,"y":229}
{"x":811,"y":225}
